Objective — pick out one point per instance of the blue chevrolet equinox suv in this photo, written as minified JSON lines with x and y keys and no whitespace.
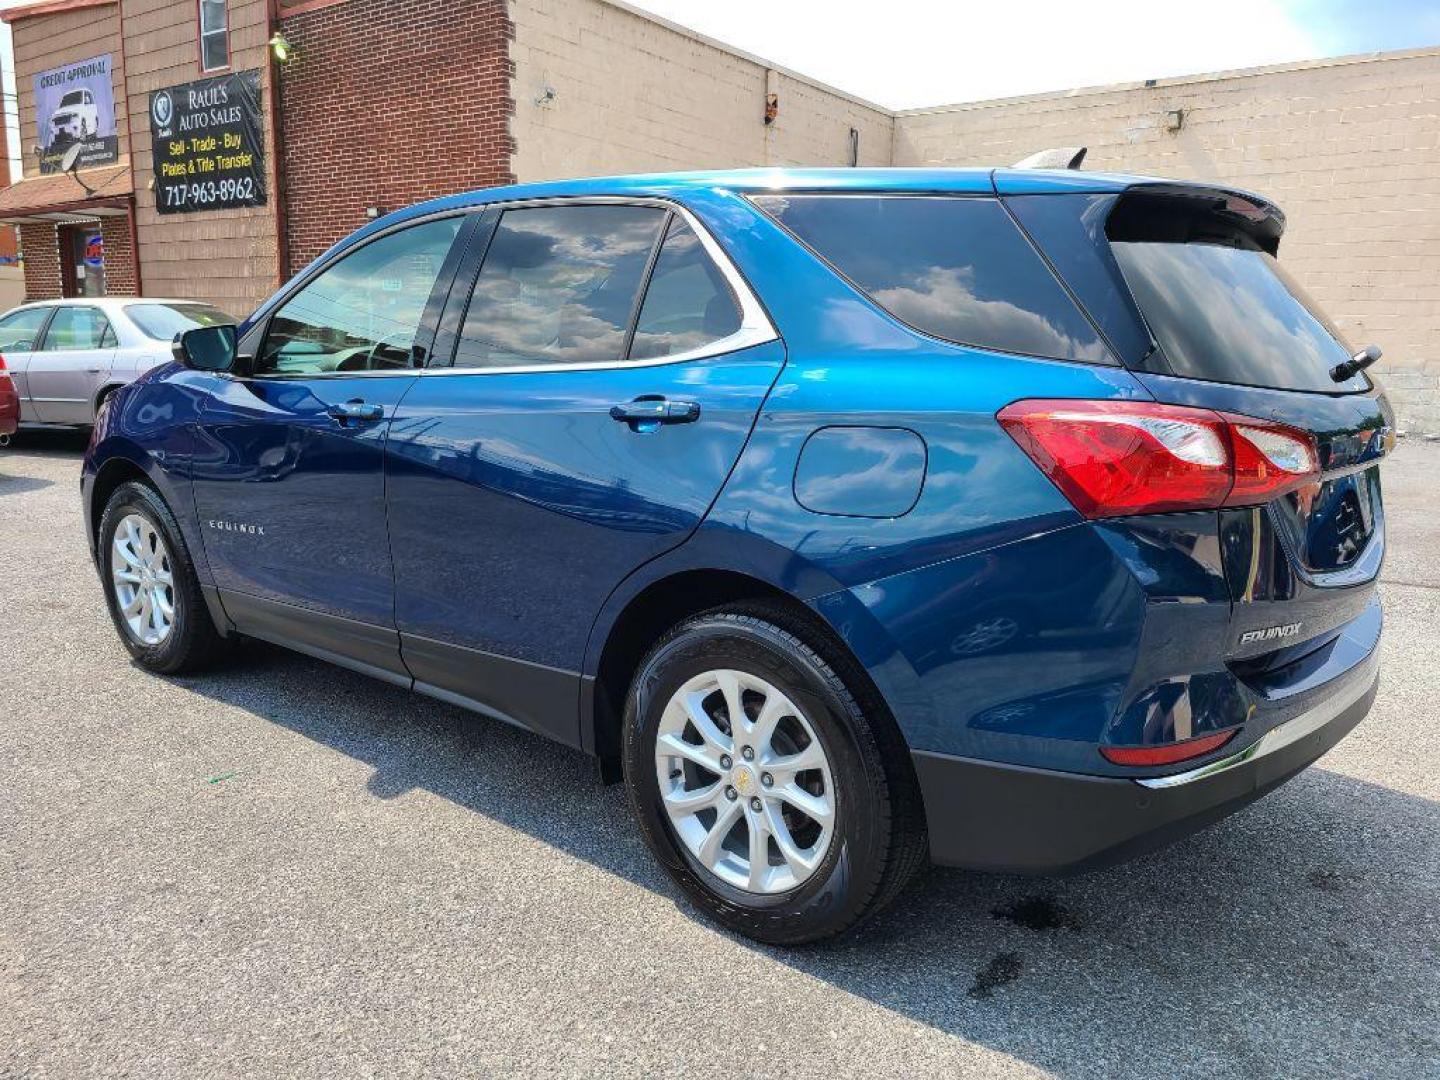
{"x":1015,"y":520}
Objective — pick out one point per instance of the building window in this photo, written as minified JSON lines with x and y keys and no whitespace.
{"x":214,"y":36}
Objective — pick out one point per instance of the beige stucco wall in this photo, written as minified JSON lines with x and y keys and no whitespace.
{"x":12,"y":287}
{"x":1350,"y":148}
{"x":633,"y":94}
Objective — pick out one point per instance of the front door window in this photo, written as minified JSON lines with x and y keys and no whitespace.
{"x":363,"y":312}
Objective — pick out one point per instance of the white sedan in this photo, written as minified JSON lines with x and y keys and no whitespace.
{"x":67,"y":356}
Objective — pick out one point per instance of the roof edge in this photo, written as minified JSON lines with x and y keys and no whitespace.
{"x":1179,"y":80}
{"x":49,"y":7}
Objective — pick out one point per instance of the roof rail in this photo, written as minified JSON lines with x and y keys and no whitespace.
{"x":1059,"y":157}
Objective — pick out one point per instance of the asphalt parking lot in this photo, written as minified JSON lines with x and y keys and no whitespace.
{"x":284,"y":869}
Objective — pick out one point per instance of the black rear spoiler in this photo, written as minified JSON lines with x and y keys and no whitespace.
{"x":1179,"y":211}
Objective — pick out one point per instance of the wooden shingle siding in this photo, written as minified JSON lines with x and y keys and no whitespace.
{"x":227,"y":257}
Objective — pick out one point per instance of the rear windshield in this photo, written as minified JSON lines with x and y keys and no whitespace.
{"x":1227,"y":312}
{"x":163,"y":321}
{"x":953,"y":267}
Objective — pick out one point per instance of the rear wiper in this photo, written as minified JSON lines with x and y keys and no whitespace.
{"x":1357,"y":363}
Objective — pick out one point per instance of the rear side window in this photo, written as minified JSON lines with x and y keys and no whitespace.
{"x":161,"y":322}
{"x":559,"y":286}
{"x":75,"y":328}
{"x":688,"y":304}
{"x":952,"y":267}
{"x":1225,"y":311}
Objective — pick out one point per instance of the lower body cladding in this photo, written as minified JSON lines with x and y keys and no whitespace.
{"x":990,"y":816}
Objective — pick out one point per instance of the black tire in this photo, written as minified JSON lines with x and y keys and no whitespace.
{"x":879,"y":836}
{"x":192,"y":642}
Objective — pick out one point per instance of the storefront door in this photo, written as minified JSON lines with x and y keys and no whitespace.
{"x":82,"y":260}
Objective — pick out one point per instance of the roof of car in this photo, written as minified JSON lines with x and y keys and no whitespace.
{"x":111,"y":301}
{"x":109,"y":304}
{"x":752,"y":181}
{"x":755,"y":180}
{"x":997,"y":181}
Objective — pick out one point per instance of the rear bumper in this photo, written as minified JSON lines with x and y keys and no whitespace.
{"x":984,"y":815}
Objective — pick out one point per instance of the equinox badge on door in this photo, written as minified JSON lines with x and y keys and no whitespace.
{"x":236,"y":526}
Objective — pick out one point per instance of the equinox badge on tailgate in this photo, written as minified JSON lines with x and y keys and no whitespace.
{"x":1270,"y":633}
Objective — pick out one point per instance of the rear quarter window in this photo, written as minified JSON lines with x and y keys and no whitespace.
{"x":956,"y":268}
{"x":1227,"y":312}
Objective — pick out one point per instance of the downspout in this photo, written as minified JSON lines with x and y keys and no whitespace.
{"x":130,"y":146}
{"x":134,"y":240}
{"x":272,"y":69}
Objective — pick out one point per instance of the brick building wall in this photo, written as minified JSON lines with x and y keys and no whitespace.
{"x":119,"y":257}
{"x":384,"y":106}
{"x":42,"y":262}
{"x":1349,"y":148}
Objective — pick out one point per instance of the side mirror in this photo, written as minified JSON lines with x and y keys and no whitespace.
{"x":206,"y":348}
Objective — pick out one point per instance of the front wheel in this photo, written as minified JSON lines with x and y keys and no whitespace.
{"x":150,"y":584}
{"x":759,"y":783}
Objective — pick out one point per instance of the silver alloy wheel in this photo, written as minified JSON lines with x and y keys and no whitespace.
{"x":143,"y":579}
{"x":745,"y":781}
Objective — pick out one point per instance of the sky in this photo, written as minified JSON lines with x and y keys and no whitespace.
{"x":913,"y":53}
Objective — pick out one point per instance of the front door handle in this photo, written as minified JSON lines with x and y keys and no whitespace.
{"x":648,"y":411}
{"x":356,"y":410}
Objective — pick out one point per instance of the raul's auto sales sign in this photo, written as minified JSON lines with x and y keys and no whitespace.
{"x":209,"y":144}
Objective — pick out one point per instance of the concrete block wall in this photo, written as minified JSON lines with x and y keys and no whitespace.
{"x":600,"y":88}
{"x":1349,"y":148}
{"x":814,"y":123}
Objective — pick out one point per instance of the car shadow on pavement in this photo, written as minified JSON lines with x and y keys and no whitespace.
{"x":48,"y":442}
{"x":19,"y":485}
{"x":1295,"y":936}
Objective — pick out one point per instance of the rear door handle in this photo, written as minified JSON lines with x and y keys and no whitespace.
{"x":356,"y":410}
{"x":655,"y":410}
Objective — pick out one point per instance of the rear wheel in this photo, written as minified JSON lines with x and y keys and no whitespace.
{"x":150,"y":584}
{"x":759,"y":783}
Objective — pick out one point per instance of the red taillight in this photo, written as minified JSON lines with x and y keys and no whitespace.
{"x":1112,"y":458}
{"x":1168,"y":754}
{"x":1270,"y":459}
{"x":2,"y":363}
